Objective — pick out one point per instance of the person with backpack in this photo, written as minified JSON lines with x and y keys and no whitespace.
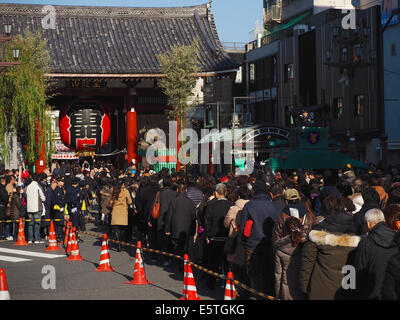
{"x":293,"y":208}
{"x":375,"y":182}
{"x":288,"y":260}
{"x":257,"y":219}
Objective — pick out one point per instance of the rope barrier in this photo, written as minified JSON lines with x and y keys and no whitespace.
{"x":222,"y":276}
{"x":29,"y":220}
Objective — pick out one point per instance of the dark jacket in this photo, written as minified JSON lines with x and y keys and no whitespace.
{"x":359,"y":221}
{"x":16,"y":206}
{"x":3,"y":200}
{"x":258,"y":209}
{"x":371,"y":259}
{"x":167,"y":195}
{"x":328,"y":250}
{"x":148,"y":197}
{"x":214,"y":219}
{"x":280,"y":202}
{"x":391,"y":283}
{"x":180,"y":220}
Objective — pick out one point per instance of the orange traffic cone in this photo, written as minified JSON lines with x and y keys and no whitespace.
{"x":52,"y":239}
{"x":139,"y":276}
{"x":67,"y":231}
{"x":4,"y":294}
{"x":21,"y":235}
{"x":75,"y":254}
{"x":230,"y":292}
{"x":104,"y":256}
{"x":70,"y":238}
{"x":189,"y":286}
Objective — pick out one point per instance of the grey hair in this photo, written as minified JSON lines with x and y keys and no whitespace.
{"x":374,"y":216}
{"x":221,"y":189}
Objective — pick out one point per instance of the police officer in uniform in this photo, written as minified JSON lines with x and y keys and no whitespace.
{"x":58,"y":206}
{"x":73,"y":198}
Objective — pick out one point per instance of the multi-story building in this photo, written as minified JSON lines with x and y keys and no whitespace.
{"x":308,"y":64}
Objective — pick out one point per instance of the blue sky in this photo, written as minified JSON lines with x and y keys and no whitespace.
{"x":234,"y":19}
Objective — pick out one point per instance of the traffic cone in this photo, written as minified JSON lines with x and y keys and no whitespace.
{"x":104,"y":256}
{"x":4,"y":294}
{"x":52,"y":239}
{"x":75,"y":254}
{"x":189,"y":286}
{"x":230,"y":292}
{"x":70,"y":238}
{"x":67,"y":231}
{"x":21,"y":235}
{"x":139,"y":276}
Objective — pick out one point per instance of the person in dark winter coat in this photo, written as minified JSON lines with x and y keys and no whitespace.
{"x":148,"y":198}
{"x":215,"y":232}
{"x":180,"y":221}
{"x":167,"y":195}
{"x":371,"y":201}
{"x":373,"y":254}
{"x":263,"y":213}
{"x":330,"y":247}
{"x":391,"y":282}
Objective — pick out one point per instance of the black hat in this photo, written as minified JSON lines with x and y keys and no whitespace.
{"x":58,"y":177}
{"x":83,"y":183}
{"x":76,"y":180}
{"x":260,"y":187}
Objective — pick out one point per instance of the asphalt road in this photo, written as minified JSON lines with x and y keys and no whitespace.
{"x":30,"y":277}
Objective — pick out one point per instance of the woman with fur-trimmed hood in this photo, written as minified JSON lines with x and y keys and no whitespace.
{"x":330,"y":246}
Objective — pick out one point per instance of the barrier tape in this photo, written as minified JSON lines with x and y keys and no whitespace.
{"x":222,"y":276}
{"x":29,"y":220}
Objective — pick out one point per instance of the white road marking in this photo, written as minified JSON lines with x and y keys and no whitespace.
{"x":13,"y":259}
{"x":31,"y":253}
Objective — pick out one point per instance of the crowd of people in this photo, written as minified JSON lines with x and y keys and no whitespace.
{"x":291,"y":235}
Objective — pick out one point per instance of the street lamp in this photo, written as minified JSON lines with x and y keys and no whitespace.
{"x":15,"y":51}
{"x":7,"y":30}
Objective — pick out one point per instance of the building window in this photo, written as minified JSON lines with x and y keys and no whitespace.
{"x":289,"y":73}
{"x":289,"y":116}
{"x":252,"y":72}
{"x":359,"y":105}
{"x":338,"y":108}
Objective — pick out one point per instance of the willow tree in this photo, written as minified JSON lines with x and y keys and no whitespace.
{"x":23,"y":108}
{"x":180,"y":67}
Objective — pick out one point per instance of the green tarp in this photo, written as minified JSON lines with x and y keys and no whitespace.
{"x":314,"y":159}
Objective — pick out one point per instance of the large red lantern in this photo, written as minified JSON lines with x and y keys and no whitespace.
{"x":84,"y":126}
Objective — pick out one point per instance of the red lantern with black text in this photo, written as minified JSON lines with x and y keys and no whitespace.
{"x":84,"y":126}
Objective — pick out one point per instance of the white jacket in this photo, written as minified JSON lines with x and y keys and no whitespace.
{"x":34,"y":197}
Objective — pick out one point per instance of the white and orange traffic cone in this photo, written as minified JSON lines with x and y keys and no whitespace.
{"x":139,"y":276}
{"x":52,"y":239}
{"x":104,"y":264}
{"x":4,"y":294}
{"x":230,"y":292}
{"x":189,"y":286}
{"x":75,"y":253}
{"x":70,"y":238}
{"x":67,"y":233}
{"x":21,"y":235}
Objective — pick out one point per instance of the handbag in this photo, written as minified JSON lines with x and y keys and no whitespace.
{"x":247,"y":228}
{"x":230,"y":243}
{"x":155,"y":212}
